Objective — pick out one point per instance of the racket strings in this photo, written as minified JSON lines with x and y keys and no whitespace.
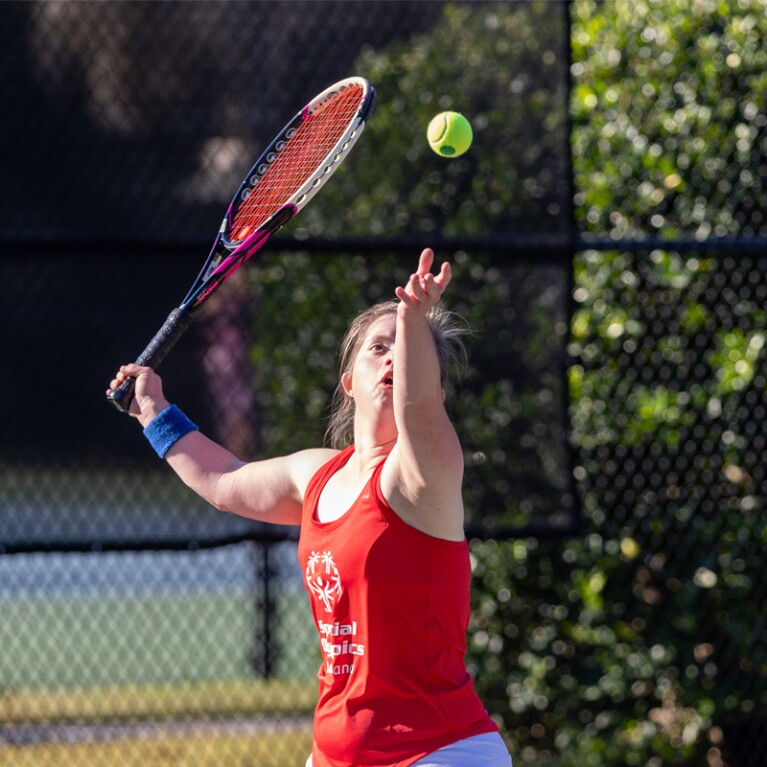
{"x":295,"y":163}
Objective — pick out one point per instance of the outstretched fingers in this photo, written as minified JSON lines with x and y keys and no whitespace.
{"x":424,"y":289}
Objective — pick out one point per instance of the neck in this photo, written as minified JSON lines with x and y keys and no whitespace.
{"x":369,"y":451}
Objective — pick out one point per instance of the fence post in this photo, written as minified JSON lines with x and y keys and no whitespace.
{"x":264,"y":652}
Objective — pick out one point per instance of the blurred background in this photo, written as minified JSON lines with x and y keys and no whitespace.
{"x":608,"y":236}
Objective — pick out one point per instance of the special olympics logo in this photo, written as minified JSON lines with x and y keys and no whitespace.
{"x":323,"y":578}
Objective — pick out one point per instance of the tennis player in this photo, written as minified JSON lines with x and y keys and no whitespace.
{"x":382,"y":544}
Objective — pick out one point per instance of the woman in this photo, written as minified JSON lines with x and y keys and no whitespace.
{"x":382,"y":545}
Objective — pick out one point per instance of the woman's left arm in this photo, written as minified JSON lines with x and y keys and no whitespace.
{"x":425,"y":473}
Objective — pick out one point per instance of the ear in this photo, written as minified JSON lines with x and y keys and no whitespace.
{"x":346,"y":382}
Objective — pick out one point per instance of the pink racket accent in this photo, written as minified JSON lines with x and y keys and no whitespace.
{"x":242,"y":253}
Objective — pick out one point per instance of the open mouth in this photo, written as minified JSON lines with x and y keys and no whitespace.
{"x":388,"y":380}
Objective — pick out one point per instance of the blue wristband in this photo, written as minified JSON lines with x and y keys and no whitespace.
{"x":167,"y":428}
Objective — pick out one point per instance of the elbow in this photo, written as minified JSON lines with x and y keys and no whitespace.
{"x":221,"y":501}
{"x":222,"y":492}
{"x":219,"y":505}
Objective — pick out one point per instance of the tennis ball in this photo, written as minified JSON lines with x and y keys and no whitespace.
{"x":449,"y":134}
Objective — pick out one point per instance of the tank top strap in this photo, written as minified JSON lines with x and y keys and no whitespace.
{"x":320,"y":479}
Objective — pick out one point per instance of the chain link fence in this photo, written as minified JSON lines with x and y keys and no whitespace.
{"x":671,"y":427}
{"x":612,"y":412}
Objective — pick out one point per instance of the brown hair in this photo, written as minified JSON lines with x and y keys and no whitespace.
{"x":447,"y":329}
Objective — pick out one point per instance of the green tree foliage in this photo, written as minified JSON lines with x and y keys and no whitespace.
{"x":667,"y":388}
{"x":669,"y":119}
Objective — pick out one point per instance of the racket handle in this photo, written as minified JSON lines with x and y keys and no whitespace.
{"x":156,"y":351}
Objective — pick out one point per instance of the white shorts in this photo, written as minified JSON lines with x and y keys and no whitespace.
{"x":480,"y":751}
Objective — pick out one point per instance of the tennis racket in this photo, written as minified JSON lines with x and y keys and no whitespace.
{"x":293,"y":168}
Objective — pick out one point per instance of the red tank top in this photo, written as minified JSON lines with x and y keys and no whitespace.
{"x":391,"y":605}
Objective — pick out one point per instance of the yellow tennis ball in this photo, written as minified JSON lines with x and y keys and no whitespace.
{"x":449,"y":134}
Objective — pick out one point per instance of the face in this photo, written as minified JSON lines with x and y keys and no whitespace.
{"x":371,"y":380}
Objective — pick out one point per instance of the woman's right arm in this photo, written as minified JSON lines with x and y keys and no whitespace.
{"x":270,"y":490}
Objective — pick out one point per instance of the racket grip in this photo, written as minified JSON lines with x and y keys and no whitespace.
{"x":156,"y":351}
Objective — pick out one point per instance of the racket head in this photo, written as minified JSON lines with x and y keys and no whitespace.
{"x":292,"y":169}
{"x":300,"y":159}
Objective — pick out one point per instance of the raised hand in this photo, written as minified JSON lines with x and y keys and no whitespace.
{"x":424,"y":289}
